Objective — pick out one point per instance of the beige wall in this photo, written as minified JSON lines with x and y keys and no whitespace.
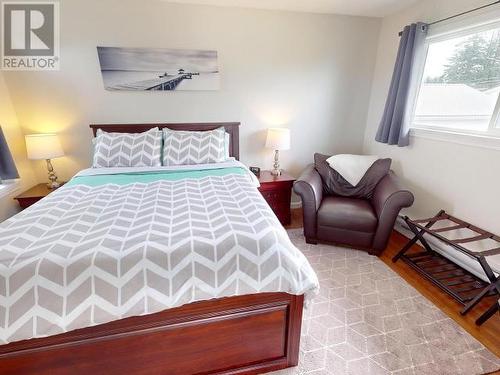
{"x":15,"y":139}
{"x":461,"y":179}
{"x":310,"y":72}
{"x":313,"y":73}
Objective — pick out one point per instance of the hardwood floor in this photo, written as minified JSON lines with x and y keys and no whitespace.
{"x":488,"y":334}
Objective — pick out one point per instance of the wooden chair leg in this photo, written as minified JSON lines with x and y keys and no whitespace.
{"x":418,"y":237}
{"x":311,"y":241}
{"x":488,"y":313}
{"x":477,"y":299}
{"x":405,"y":248}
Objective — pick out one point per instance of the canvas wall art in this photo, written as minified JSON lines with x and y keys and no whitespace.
{"x":158,"y":69}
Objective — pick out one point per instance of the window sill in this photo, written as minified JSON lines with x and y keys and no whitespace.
{"x":9,"y":187}
{"x":475,"y":140}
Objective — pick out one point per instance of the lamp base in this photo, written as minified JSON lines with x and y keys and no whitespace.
{"x":52,"y":184}
{"x":276,"y":166}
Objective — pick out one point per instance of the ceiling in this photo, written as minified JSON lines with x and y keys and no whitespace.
{"x":371,"y":8}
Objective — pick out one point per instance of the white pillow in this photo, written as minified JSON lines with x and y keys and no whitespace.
{"x":127,"y":149}
{"x":351,"y":167}
{"x":193,"y":147}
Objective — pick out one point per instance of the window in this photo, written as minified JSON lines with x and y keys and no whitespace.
{"x":460,"y":82}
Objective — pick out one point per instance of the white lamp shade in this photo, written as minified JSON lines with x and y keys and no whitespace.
{"x":43,"y":146}
{"x":278,"y":138}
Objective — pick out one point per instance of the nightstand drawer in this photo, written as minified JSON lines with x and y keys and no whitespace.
{"x":33,"y":195}
{"x":282,"y":211}
{"x":277,"y":191}
{"x":26,"y":202}
{"x":275,"y":196}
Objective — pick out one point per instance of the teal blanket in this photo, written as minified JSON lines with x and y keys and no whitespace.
{"x":148,"y":177}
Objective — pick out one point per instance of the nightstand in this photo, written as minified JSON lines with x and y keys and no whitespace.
{"x":277,"y":191}
{"x":33,"y":195}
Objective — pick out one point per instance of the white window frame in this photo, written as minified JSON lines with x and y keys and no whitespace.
{"x":461,"y":26}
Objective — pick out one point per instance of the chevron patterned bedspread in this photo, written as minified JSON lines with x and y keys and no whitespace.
{"x":87,"y":255}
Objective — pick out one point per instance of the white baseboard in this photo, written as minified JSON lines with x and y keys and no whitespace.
{"x":8,"y":188}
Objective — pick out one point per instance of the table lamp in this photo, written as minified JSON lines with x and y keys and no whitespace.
{"x":45,"y":147}
{"x":277,"y":139}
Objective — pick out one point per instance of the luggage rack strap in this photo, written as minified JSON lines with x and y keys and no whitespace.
{"x":490,"y":252}
{"x":446,"y":229}
{"x":456,"y":243}
{"x":430,"y":219}
{"x":472,"y":239}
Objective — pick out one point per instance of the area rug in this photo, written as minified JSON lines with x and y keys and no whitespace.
{"x":368,"y":320}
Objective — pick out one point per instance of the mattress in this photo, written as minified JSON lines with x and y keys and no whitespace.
{"x":115,"y":243}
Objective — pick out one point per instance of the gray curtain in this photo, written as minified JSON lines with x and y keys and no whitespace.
{"x":393,"y":128}
{"x":8,"y":169}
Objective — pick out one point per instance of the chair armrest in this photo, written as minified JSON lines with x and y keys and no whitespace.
{"x":388,"y":199}
{"x":309,"y":187}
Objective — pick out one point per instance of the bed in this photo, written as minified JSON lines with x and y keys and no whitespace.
{"x":251,"y":325}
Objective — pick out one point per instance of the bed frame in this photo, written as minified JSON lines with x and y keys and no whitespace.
{"x":248,"y":334}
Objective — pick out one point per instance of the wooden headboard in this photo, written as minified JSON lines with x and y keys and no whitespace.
{"x":231,"y":127}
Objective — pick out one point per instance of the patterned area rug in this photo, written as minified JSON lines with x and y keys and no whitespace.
{"x":368,"y":320}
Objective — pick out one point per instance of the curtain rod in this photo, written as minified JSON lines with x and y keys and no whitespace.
{"x":460,"y":14}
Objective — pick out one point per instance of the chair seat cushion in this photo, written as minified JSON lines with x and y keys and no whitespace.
{"x":347,"y":213}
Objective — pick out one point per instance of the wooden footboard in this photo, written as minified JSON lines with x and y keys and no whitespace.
{"x":237,"y":335}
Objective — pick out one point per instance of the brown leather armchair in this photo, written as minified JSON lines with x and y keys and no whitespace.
{"x":360,"y":223}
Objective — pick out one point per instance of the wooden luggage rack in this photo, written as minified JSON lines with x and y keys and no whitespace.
{"x":462,"y":285}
